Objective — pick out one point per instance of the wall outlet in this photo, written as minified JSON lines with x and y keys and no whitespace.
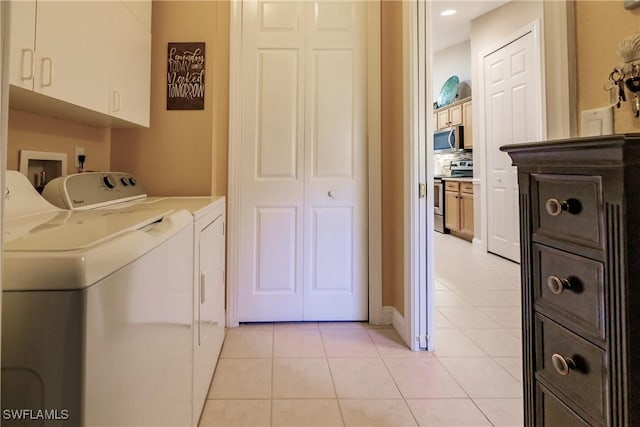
{"x":79,"y":151}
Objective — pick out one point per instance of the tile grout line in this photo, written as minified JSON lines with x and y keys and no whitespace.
{"x":333,"y":383}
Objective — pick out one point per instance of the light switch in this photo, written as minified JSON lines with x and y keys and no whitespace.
{"x":598,"y":121}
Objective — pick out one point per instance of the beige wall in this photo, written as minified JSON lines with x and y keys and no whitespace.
{"x":600,"y":25}
{"x":29,"y":131}
{"x":392,"y":156}
{"x":183,"y":152}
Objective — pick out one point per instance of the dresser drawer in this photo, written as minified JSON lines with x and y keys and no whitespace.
{"x":570,"y":289}
{"x":573,"y":366}
{"x":554,"y":412}
{"x":569,"y":207}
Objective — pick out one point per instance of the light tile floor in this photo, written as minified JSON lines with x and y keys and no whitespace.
{"x":354,"y":374}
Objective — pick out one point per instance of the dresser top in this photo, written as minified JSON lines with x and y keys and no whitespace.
{"x":606,"y":150}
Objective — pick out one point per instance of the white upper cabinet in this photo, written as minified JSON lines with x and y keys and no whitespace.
{"x":91,"y":60}
{"x":23,"y":43}
{"x":72,"y":39}
{"x":130,"y":85}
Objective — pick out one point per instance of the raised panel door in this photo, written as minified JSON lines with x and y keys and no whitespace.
{"x":452,"y":210}
{"x":303,"y":198}
{"x":455,"y":115}
{"x":466,"y":214}
{"x":443,"y":119}
{"x":467,"y":121}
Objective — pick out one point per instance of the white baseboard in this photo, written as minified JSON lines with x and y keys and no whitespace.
{"x":391,"y":316}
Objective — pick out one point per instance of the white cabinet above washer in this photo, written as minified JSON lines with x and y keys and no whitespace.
{"x":68,"y":60}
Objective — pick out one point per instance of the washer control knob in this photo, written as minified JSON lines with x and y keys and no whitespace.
{"x":132,"y":180}
{"x":108,"y":181}
{"x":124,"y":181}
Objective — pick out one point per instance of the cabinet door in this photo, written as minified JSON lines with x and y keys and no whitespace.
{"x":468,"y":124}
{"x":443,"y":119}
{"x":209,"y":317}
{"x":466,"y":214}
{"x":452,"y":210}
{"x":130,"y":68}
{"x":73,"y":40}
{"x":22,"y":43}
{"x":455,"y":115}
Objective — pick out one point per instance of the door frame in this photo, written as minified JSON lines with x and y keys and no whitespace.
{"x":373,"y":162}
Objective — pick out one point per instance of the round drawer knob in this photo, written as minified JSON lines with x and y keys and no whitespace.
{"x":557,"y":285}
{"x":555,"y":207}
{"x":331,"y":193}
{"x":563,"y":365}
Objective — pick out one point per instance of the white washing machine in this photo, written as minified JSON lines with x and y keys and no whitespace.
{"x":121,"y":191}
{"x":96,"y":314}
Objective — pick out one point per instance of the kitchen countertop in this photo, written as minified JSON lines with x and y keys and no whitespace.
{"x":457,"y":178}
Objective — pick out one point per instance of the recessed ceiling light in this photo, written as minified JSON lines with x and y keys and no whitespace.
{"x":448,"y":12}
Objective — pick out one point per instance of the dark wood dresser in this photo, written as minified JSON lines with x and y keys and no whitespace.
{"x":580,"y":248}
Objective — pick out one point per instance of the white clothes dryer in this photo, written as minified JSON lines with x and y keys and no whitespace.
{"x":122,"y":191}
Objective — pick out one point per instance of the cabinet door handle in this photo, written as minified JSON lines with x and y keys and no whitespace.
{"x":26,"y":53}
{"x":557,"y":285}
{"x":563,"y":365}
{"x":203,"y":279}
{"x":115,"y":107}
{"x":46,"y":60}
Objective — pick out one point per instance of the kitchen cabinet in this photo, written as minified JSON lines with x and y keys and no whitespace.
{"x":467,"y":117}
{"x":459,"y":208}
{"x":449,"y":116}
{"x":579,"y":242}
{"x":69,"y":60}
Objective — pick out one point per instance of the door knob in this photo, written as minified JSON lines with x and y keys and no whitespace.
{"x":331,"y":193}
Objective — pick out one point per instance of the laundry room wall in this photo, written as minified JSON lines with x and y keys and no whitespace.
{"x":184,"y":152}
{"x":392,"y":155}
{"x":28,"y":131}
{"x":600,"y":25}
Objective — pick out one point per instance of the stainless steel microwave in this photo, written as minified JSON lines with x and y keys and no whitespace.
{"x":448,"y":140}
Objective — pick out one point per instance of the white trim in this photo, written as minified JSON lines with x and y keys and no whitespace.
{"x":374,"y":161}
{"x":392,"y":317}
{"x":535,"y":28}
{"x":235,"y":138}
{"x":411,"y":157}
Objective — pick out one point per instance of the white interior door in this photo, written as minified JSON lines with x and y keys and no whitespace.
{"x":512,"y":115}
{"x":303,"y":231}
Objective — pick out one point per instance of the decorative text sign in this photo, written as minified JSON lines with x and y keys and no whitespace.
{"x":185,"y":76}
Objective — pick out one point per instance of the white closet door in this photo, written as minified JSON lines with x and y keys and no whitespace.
{"x":513,"y":111}
{"x":303,"y":187}
{"x":335,"y":267}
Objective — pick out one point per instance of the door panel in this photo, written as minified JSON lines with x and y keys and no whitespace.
{"x":513,"y":115}
{"x":277,"y":113}
{"x":275,"y":250}
{"x":332,"y":265}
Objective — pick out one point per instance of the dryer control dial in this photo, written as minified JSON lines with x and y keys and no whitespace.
{"x":108,"y":181}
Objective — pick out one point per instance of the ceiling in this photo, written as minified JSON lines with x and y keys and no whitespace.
{"x":451,"y":30}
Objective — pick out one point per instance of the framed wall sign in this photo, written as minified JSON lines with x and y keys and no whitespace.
{"x":185,"y":76}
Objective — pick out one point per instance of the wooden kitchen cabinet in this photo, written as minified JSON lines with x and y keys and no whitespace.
{"x":579,"y":239}
{"x":77,"y":54}
{"x":450,"y":116}
{"x":467,"y":117}
{"x":458,"y":209}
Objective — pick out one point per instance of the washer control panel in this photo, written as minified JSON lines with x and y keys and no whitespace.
{"x":93,"y":189}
